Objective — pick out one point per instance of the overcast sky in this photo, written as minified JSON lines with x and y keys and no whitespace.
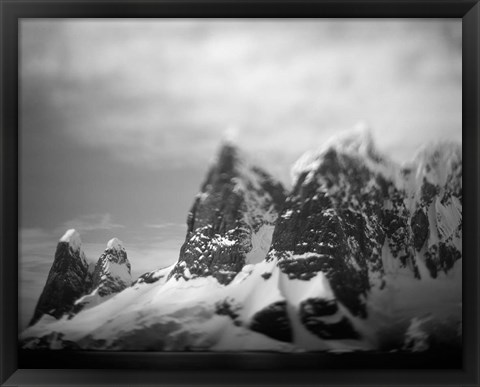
{"x":120,"y":119}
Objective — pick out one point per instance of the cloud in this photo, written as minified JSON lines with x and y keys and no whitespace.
{"x":172,"y":228}
{"x":152,"y":256}
{"x":166,"y":225}
{"x":161,"y":93}
{"x":36,"y":247}
{"x":90,"y":222}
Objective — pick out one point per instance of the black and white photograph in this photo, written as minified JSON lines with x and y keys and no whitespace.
{"x":240,"y":185}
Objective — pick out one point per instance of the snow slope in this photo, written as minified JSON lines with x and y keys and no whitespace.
{"x":111,"y":275}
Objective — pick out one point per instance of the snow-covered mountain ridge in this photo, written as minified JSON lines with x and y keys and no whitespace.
{"x":362,"y":254}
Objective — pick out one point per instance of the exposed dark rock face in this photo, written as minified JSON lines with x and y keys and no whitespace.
{"x":113,"y":271}
{"x":273,"y":322}
{"x":147,"y":278}
{"x":67,"y":280}
{"x":152,"y":276}
{"x":350,"y":210}
{"x":235,"y":200}
{"x":311,"y":312}
{"x":53,"y":340}
{"x":419,"y":226}
{"x":437,"y":220}
{"x":396,"y":220}
{"x":112,"y":274}
{"x":441,"y":258}
{"x":333,"y":219}
{"x":318,"y":307}
{"x":229,"y":308}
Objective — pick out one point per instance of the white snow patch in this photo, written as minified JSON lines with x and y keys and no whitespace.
{"x":448,"y":217}
{"x":223,"y":241}
{"x":287,"y":214}
{"x":435,"y":161}
{"x":118,"y":271}
{"x":261,"y":241}
{"x":115,"y":244}
{"x":203,"y":196}
{"x":72,"y":237}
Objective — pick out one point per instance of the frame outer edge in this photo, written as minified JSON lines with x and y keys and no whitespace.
{"x":8,"y":203}
{"x":8,"y":193}
{"x":471,"y":146}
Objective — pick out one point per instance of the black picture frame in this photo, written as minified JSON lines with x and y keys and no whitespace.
{"x":124,"y":368}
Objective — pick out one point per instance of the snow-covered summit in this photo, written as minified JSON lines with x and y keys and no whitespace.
{"x":359,"y":140}
{"x":112,"y":274}
{"x":358,"y":143}
{"x":436,"y":161}
{"x":115,"y":244}
{"x":68,"y":279}
{"x":72,"y":237}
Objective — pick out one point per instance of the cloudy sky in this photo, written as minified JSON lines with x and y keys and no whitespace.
{"x":120,"y":119}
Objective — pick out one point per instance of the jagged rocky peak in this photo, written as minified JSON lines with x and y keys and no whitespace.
{"x":236,"y":208}
{"x":357,"y":217}
{"x":113,"y":271}
{"x":227,"y":160}
{"x":72,"y":238}
{"x":111,"y":274}
{"x":358,"y":141}
{"x":68,"y":279}
{"x":357,"y":144}
{"x":233,"y":169}
{"x":115,"y":244}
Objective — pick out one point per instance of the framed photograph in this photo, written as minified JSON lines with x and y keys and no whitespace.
{"x":240,"y":193}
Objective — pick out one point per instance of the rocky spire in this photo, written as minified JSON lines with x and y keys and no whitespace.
{"x":235,"y":201}
{"x":67,"y":280}
{"x":112,"y":271}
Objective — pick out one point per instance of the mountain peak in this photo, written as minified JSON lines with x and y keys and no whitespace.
{"x":113,"y":270}
{"x":231,"y":134}
{"x":115,"y":244}
{"x":72,"y":237}
{"x":235,"y":201}
{"x":227,"y":157}
{"x":67,"y":280}
{"x":355,"y":142}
